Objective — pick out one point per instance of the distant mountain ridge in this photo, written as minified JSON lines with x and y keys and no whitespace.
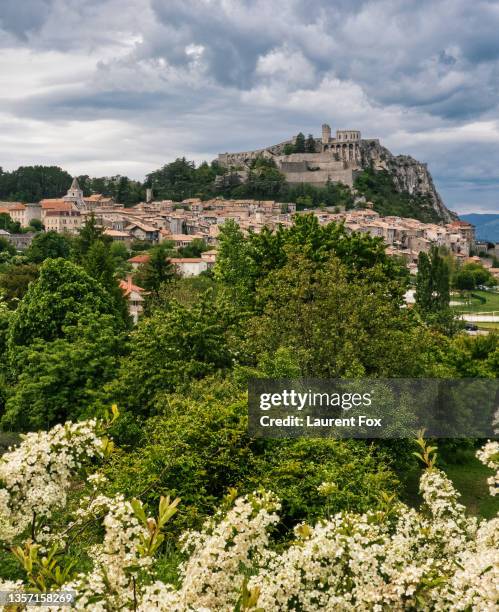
{"x":487,"y":225}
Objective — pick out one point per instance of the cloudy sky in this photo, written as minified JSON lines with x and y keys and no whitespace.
{"x":123,"y":86}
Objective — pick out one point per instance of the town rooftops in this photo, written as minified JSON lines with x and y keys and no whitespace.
{"x":127,"y":286}
{"x":62,"y":213}
{"x":116,"y":233}
{"x":460,"y":224}
{"x":143,"y":226}
{"x":55,"y":204}
{"x":12,"y":206}
{"x":185,"y":237}
{"x":139,"y":259}
{"x":97,"y":197}
{"x":181,"y":260}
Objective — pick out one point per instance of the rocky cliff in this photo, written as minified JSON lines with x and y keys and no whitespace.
{"x":409,"y":175}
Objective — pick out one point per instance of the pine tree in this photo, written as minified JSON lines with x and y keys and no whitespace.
{"x":300,"y":143}
{"x":432,"y":283}
{"x":310,"y":144}
{"x":157,"y":270}
{"x":89,"y":233}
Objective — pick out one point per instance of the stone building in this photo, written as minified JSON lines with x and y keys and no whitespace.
{"x":134,"y":296}
{"x":335,"y":159}
{"x":63,"y":221}
{"x":339,"y":159}
{"x":74,"y":196}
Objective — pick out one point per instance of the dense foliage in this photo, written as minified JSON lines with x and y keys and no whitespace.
{"x":379,"y":188}
{"x":391,"y":557}
{"x":305,"y":300}
{"x":33,"y":183}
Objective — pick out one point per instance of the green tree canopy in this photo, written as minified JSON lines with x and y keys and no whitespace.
{"x":6,"y":247}
{"x":471,"y":275}
{"x":243,"y":260}
{"x":15,"y":280}
{"x":170,"y":348}
{"x":310,"y":144}
{"x":194,"y":249}
{"x":62,"y":378}
{"x":198,"y":448}
{"x":60,"y":297}
{"x":432,"y":283}
{"x":157,"y":270}
{"x":101,"y":265}
{"x":87,"y":236}
{"x":48,"y":245}
{"x":300,"y":143}
{"x":6,"y":223}
{"x":33,"y":183}
{"x":336,"y":325}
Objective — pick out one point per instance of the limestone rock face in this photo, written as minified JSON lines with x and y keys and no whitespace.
{"x":408,"y":174}
{"x":341,"y":159}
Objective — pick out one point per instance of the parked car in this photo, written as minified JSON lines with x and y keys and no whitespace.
{"x":470,"y":327}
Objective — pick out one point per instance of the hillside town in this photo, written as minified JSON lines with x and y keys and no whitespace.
{"x":181,"y":223}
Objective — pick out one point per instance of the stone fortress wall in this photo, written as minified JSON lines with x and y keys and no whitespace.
{"x":336,"y":159}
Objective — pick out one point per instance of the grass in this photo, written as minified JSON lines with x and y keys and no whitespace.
{"x":469,"y":478}
{"x":473,"y":305}
{"x":488,"y":326}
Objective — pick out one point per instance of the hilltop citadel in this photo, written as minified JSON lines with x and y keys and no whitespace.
{"x":333,"y":159}
{"x":340,"y":159}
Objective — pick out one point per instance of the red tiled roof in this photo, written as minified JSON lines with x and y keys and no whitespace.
{"x":127,"y":286}
{"x":139,"y":259}
{"x":55,"y":204}
{"x":461,"y":224}
{"x":12,"y":205}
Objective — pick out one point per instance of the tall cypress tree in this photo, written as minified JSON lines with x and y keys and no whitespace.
{"x":432,"y":283}
{"x":300,"y":143}
{"x":310,"y":144}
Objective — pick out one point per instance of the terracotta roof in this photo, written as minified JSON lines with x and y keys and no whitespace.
{"x":117,"y":233}
{"x":143,"y":226}
{"x":55,"y":204}
{"x":12,"y":206}
{"x":139,"y":259}
{"x":127,"y":286}
{"x":186,"y":237}
{"x":62,"y":213}
{"x":97,"y":197}
{"x":460,"y":224}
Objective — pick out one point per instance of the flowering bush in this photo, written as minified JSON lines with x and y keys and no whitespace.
{"x":394,"y":558}
{"x":36,"y":475}
{"x":489,"y":455}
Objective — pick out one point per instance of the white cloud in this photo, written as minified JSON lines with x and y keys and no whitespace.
{"x":106,"y":86}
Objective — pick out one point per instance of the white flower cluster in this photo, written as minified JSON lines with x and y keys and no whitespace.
{"x":489,"y":455}
{"x":219,"y":557}
{"x":116,"y":561}
{"x":35,"y":476}
{"x":396,"y":558}
{"x":402,"y":560}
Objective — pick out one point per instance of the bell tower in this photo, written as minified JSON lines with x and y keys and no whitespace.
{"x":326,"y":133}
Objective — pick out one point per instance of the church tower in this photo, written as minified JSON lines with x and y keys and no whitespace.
{"x":75,"y":195}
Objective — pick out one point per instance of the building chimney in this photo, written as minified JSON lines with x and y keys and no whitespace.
{"x":148,"y":194}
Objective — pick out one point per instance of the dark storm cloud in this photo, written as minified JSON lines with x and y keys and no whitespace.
{"x":20,"y":17}
{"x":209,"y":75}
